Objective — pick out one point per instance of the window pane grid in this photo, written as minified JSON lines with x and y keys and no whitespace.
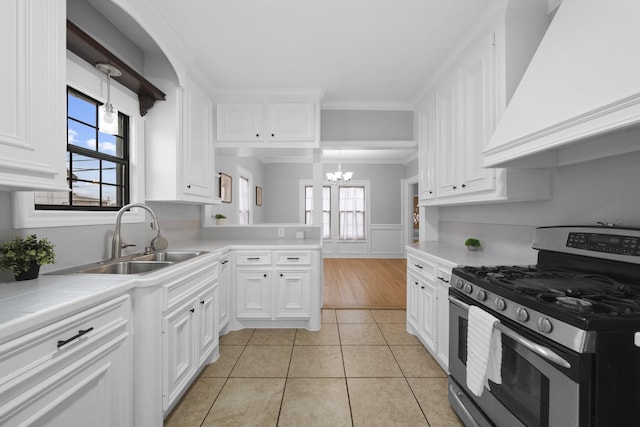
{"x":352,"y":213}
{"x":97,"y":163}
{"x":326,"y":209}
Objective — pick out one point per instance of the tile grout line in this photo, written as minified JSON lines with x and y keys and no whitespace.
{"x":344,"y":369}
{"x":286,"y":377}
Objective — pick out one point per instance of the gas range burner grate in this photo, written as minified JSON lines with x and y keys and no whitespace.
{"x":595,"y":303}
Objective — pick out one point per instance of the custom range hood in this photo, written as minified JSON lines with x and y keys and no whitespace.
{"x":579,"y":99}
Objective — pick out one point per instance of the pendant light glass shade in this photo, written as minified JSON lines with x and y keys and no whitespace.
{"x":335,"y":177}
{"x":107,"y":113}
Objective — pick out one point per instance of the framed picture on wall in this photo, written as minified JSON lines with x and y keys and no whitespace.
{"x":258,"y":196}
{"x":225,"y":188}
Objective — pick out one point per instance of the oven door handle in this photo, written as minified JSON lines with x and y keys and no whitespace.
{"x":540,"y":350}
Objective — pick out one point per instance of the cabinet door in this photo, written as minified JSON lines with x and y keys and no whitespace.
{"x":33,"y":102}
{"x":443,"y":321}
{"x":446,"y":138}
{"x":179,"y":351}
{"x":253,"y":294}
{"x":427,"y":152}
{"x":207,"y":314}
{"x":223,"y":291}
{"x":239,"y":122}
{"x":197,"y":145}
{"x":428,"y":314}
{"x":413,"y":301}
{"x":293,"y":297}
{"x":290,"y":122}
{"x":477,"y":95}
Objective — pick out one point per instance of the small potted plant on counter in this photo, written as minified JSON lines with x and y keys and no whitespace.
{"x":472,"y":244}
{"x":25,"y":256}
{"x":220,"y":219}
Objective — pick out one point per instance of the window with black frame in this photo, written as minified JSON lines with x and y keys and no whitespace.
{"x":97,"y":163}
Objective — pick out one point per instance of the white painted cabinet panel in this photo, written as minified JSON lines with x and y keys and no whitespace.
{"x":224,"y":288}
{"x":253,"y":294}
{"x":33,"y":101}
{"x":293,"y":298}
{"x":77,"y":371}
{"x":468,"y":100}
{"x":179,"y":154}
{"x":239,"y":122}
{"x":267,"y":124}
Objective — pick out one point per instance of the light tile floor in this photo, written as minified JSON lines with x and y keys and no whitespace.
{"x":361,"y":369}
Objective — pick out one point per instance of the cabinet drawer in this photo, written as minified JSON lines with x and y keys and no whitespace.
{"x":443,"y":275}
{"x":177,"y":291}
{"x":421,"y":266}
{"x":293,"y":258}
{"x":27,"y":360}
{"x":253,"y":258}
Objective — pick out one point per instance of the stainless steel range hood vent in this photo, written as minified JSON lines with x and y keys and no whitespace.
{"x":583,"y":82}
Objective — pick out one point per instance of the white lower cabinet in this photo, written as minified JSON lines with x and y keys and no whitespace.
{"x":189,"y":332}
{"x":427,"y":303}
{"x":293,"y":299}
{"x":77,"y":371}
{"x":278,"y":286}
{"x":254,"y":294}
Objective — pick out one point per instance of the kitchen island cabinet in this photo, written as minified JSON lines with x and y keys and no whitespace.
{"x":33,"y":102}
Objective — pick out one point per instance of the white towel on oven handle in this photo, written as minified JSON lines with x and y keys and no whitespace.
{"x":484,"y":350}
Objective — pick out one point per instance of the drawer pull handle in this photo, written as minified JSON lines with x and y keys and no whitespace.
{"x":293,"y":258}
{"x":253,"y":258}
{"x":224,"y":262}
{"x":78,"y":335}
{"x":418,"y":265}
{"x":443,"y":279}
{"x":202,"y":302}
{"x":193,"y":310}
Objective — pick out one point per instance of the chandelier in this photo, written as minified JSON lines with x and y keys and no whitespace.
{"x":337,"y":176}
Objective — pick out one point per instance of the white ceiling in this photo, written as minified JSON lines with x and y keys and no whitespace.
{"x":363,"y":53}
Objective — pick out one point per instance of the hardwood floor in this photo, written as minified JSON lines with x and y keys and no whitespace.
{"x":365,"y":283}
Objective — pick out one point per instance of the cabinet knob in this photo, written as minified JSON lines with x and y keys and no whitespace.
{"x":188,"y":186}
{"x":464,"y":185}
{"x":257,"y":135}
{"x":430,"y":192}
{"x":265,"y":274}
{"x":202,"y":302}
{"x":281,"y":275}
{"x":273,"y":135}
{"x":192,"y":310}
{"x":454,"y":187}
{"x":421,"y":287}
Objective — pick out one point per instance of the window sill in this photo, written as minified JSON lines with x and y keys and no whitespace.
{"x":26,"y":216}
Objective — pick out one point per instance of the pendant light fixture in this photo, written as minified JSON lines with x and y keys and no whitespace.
{"x":338,"y":175}
{"x":107,"y":113}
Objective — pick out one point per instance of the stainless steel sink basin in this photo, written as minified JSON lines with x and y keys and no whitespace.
{"x":169,"y":256}
{"x":127,"y":267}
{"x":134,"y":264}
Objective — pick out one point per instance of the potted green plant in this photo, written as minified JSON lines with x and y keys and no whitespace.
{"x":25,"y":256}
{"x":220,"y":219}
{"x":472,"y":244}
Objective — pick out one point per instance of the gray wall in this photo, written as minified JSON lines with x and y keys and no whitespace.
{"x":228,"y":165}
{"x":282,"y":192}
{"x":359,"y":125}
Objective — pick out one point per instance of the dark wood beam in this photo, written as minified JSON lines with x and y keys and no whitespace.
{"x":87,"y":48}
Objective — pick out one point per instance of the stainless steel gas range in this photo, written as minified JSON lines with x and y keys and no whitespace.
{"x":570,"y":332}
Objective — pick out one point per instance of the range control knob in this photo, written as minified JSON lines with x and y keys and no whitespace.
{"x":544,"y":325}
{"x":500,"y":304}
{"x":459,"y":283}
{"x":522,"y":314}
{"x":481,"y":295}
{"x":467,"y":288}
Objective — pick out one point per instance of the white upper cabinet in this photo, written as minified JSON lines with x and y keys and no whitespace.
{"x":582,"y":82}
{"x":290,"y":122}
{"x":426,"y":152}
{"x":466,"y":102}
{"x":268,"y":120}
{"x":240,"y":122}
{"x":33,"y":101}
{"x":180,"y":161}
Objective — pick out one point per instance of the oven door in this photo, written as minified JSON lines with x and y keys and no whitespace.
{"x":534,"y":392}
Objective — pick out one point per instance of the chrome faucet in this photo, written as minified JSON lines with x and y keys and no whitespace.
{"x":158,"y":242}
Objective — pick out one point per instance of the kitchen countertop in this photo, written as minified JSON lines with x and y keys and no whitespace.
{"x":27,"y":305}
{"x":460,"y":255}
